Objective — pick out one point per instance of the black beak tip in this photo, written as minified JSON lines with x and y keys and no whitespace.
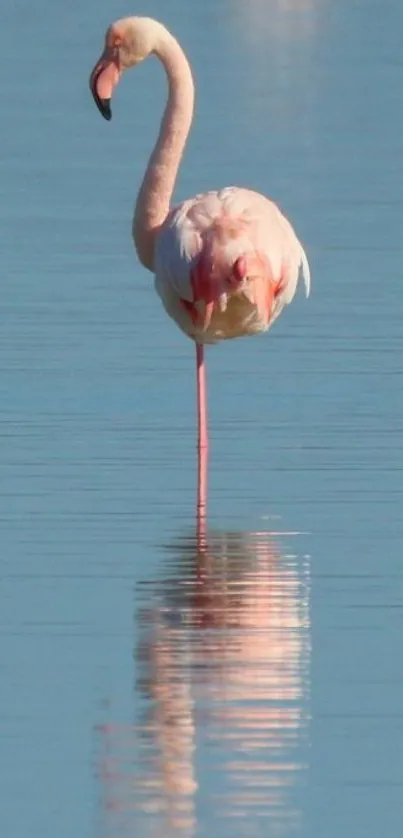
{"x":104,"y":106}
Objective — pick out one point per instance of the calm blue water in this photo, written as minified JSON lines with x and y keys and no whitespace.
{"x":252,"y":684}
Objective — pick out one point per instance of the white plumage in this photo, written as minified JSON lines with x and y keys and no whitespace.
{"x":260,"y":228}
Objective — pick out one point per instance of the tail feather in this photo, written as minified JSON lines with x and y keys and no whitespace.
{"x":306,"y":273}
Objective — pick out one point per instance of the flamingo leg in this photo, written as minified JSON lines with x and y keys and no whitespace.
{"x":202,"y":438}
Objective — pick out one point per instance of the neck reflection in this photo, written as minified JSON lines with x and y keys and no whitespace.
{"x":222,"y":694}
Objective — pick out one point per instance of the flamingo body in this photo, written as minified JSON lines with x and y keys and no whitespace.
{"x":232,"y":224}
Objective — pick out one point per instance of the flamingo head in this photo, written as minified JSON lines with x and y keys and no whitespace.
{"x":127,"y":42}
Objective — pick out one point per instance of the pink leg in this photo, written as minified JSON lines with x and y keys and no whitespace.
{"x":202,"y":440}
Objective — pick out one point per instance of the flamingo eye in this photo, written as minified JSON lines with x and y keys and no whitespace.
{"x":113,"y":39}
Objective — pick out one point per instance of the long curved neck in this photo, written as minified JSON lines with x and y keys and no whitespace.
{"x":152,"y":205}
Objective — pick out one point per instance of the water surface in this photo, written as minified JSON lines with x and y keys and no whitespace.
{"x":249,"y":684}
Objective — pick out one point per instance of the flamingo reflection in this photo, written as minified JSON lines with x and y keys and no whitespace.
{"x":222,"y":693}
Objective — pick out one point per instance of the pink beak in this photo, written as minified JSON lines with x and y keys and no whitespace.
{"x":104,"y":79}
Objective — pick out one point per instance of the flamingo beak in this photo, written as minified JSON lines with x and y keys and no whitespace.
{"x":103,"y":80}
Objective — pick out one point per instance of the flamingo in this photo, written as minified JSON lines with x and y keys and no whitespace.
{"x":226,"y":262}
